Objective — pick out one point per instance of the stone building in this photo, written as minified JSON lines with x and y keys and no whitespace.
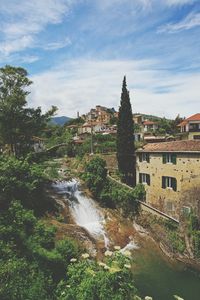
{"x":170,"y":171}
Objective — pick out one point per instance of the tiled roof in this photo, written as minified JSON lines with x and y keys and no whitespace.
{"x":149,"y":123}
{"x":195,"y":117}
{"x":175,"y":146}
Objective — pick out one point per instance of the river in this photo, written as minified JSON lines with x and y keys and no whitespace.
{"x":154,"y":275}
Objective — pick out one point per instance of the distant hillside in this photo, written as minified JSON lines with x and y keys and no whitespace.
{"x":60,"y":120}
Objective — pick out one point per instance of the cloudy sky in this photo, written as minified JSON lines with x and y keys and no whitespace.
{"x":77,"y":52}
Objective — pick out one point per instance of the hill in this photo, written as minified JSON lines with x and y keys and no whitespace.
{"x":60,"y":120}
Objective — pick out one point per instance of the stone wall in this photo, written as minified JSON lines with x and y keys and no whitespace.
{"x":186,"y":171}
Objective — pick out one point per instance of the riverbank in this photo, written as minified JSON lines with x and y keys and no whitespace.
{"x":171,"y":242}
{"x":155,"y":274}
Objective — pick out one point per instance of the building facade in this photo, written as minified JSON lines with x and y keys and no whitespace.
{"x":169,"y":171}
{"x":190,"y":128}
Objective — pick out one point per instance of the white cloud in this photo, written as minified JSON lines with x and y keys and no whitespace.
{"x":16,"y":45}
{"x":80,"y":85}
{"x":21,"y":22}
{"x":192,"y":20}
{"x":179,"y":2}
{"x":56,"y":45}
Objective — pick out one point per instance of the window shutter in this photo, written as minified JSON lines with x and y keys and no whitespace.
{"x":174,"y":184}
{"x":140,"y":157}
{"x":163,"y":182}
{"x":164,"y":158}
{"x":140,"y":178}
{"x":148,"y":157}
{"x":174,"y":159}
{"x":148,"y":179}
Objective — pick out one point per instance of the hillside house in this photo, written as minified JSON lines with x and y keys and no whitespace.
{"x":149,"y":126}
{"x":190,"y":128}
{"x":91,"y":127}
{"x":169,"y":170}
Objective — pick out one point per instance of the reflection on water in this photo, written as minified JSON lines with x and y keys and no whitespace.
{"x":158,"y":278}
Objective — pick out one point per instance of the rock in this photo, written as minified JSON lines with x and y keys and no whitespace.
{"x":78,"y":233}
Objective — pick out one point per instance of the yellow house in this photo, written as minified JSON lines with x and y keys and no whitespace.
{"x":169,"y":170}
{"x":190,"y":128}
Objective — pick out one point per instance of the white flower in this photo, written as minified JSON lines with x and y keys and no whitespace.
{"x":148,"y":298}
{"x":85,"y":255}
{"x":101,"y":264}
{"x":178,"y":298}
{"x":117,"y":247}
{"x":106,"y":267}
{"x":127,"y":253}
{"x":73,"y":260}
{"x":129,"y":267}
{"x":68,"y":286}
{"x":108,"y":253}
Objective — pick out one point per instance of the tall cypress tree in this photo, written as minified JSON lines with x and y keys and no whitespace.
{"x":125,"y":138}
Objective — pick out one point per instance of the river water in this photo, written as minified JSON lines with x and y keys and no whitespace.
{"x":154,"y":275}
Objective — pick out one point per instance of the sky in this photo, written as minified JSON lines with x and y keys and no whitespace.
{"x":76,"y":53}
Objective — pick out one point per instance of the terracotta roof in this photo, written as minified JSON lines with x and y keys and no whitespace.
{"x":149,"y":123}
{"x":175,"y":146}
{"x":195,"y":117}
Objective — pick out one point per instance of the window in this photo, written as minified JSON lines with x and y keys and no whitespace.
{"x":144,"y":157}
{"x":144,"y":178}
{"x":170,"y":206}
{"x":196,"y":137}
{"x":169,"y":182}
{"x":169,"y":158}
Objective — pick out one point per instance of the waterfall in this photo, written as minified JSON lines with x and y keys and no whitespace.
{"x":84,"y":210}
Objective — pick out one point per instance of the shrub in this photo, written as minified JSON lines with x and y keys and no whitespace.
{"x":91,"y":280}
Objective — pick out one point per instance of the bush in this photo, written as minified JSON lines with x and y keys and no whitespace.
{"x":20,"y":279}
{"x":109,"y":193}
{"x":20,"y":180}
{"x":91,"y":280}
{"x":95,"y":175}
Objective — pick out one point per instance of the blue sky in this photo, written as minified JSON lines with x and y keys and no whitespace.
{"x":77,"y":52}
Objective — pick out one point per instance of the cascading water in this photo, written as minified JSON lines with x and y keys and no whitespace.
{"x":83,"y":209}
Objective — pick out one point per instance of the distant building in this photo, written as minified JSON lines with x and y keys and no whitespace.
{"x":168,"y":170}
{"x":90,"y":127}
{"x":190,"y":128}
{"x":100,"y":114}
{"x":149,"y":126}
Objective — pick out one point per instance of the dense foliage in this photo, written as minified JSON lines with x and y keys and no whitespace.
{"x":109,"y":193}
{"x":31,"y":261}
{"x":125,"y":139}
{"x":18,"y":124}
{"x":25,"y":182}
{"x":91,"y":280}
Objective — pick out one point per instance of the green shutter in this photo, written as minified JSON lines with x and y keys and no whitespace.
{"x":140,"y":157}
{"x":174,"y":184}
{"x":148,"y":179}
{"x":164,"y":158}
{"x":140,"y":178}
{"x":163,"y":182}
{"x":174,"y":159}
{"x":148,"y":157}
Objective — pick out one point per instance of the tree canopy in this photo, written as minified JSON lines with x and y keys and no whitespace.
{"x":18,"y":124}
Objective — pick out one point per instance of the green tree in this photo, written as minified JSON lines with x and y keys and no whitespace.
{"x":95,"y":175}
{"x":18,"y":124}
{"x":25,"y":182}
{"x":125,"y":139}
